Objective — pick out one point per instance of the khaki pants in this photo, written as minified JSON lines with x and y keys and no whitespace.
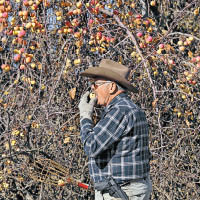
{"x":137,"y":190}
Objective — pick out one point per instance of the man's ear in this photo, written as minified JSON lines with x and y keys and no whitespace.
{"x":113,"y":88}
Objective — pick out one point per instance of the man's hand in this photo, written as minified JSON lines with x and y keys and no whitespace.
{"x":85,"y":107}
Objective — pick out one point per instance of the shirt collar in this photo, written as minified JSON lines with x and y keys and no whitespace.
{"x":115,"y":100}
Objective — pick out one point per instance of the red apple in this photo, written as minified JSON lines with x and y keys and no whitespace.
{"x":3,"y":66}
{"x":112,"y":40}
{"x":22,"y":67}
{"x":25,"y":2}
{"x":193,"y":60}
{"x":91,"y":21}
{"x":161,"y":46}
{"x":138,"y":16}
{"x":5,"y":15}
{"x":108,"y":39}
{"x":147,"y":22}
{"x":22,"y":33}
{"x":149,"y":39}
{"x":171,"y":62}
{"x":17,"y":57}
{"x":70,"y":30}
{"x":139,"y":34}
{"x":198,"y":58}
{"x":22,"y":50}
{"x":99,"y":35}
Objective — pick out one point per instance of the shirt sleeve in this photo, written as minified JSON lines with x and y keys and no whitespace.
{"x":107,"y":131}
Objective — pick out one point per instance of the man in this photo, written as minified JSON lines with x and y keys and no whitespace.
{"x":117,"y":145}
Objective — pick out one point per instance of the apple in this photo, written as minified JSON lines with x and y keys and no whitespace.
{"x":198,"y":58}
{"x":99,"y":35}
{"x":138,"y":16}
{"x":77,"y":34}
{"x":61,"y":183}
{"x":149,"y":39}
{"x":112,"y":40}
{"x":33,"y":65}
{"x":191,"y":38}
{"x":180,"y":42}
{"x":139,"y":34}
{"x":93,"y":2}
{"x":34,"y":6}
{"x":161,"y":46}
{"x":5,"y":15}
{"x":70,"y":30}
{"x":20,"y":13}
{"x":38,"y":2}
{"x":25,"y":13}
{"x":165,"y":73}
{"x":171,"y":62}
{"x":22,"y":67}
{"x":28,"y":25}
{"x":193,"y":82}
{"x":7,"y":68}
{"x":4,"y":40}
{"x":196,"y":11}
{"x":22,"y":50}
{"x":155,"y":73}
{"x":59,"y":18}
{"x":30,"y":3}
{"x":159,"y":51}
{"x":10,"y":32}
{"x":9,"y":8}
{"x":28,"y":59}
{"x":3,"y":66}
{"x":181,"y":48}
{"x":26,"y":3}
{"x":141,"y":45}
{"x":146,"y":22}
{"x":153,"y":3}
{"x":193,"y":60}
{"x":22,"y":33}
{"x":132,"y":5}
{"x":186,"y":43}
{"x":17,"y":57}
{"x":79,"y":4}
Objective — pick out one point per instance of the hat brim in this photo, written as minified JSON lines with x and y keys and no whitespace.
{"x":94,"y":72}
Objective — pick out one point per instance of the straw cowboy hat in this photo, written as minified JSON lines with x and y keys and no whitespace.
{"x":113,"y":71}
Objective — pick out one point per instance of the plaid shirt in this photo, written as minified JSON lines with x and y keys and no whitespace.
{"x":118,"y":144}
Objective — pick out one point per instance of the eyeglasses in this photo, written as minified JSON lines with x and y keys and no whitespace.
{"x":97,"y":84}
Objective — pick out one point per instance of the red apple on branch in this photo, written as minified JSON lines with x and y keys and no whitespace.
{"x":17,"y":57}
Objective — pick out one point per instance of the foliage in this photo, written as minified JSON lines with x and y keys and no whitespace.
{"x":44,"y":46}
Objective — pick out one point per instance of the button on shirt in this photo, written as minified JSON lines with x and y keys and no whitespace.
{"x":118,"y":144}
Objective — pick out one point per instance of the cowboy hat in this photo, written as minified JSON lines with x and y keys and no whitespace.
{"x":113,"y":71}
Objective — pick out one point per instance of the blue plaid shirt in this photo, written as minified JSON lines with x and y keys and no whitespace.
{"x":118,"y":144}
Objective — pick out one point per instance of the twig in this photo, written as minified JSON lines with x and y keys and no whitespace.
{"x":188,"y":35}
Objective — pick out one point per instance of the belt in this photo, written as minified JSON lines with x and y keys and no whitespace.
{"x":125,"y":183}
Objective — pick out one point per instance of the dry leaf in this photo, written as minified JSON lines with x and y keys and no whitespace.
{"x":190,"y":54}
{"x":66,"y":140}
{"x":72,"y":93}
{"x":187,"y":123}
{"x":1,"y":28}
{"x":154,"y":102}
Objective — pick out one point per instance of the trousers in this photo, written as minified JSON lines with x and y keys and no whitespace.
{"x":139,"y":189}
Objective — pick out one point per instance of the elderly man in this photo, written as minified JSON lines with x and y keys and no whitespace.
{"x":117,"y":145}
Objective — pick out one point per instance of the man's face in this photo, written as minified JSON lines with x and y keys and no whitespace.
{"x":101,"y":89}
